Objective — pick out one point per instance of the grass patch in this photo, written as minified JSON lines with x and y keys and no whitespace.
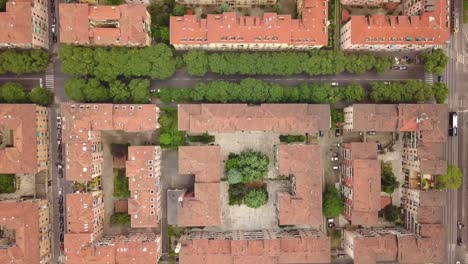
{"x":120,"y":184}
{"x":7,"y":183}
{"x":292,"y":138}
{"x":170,"y":136}
{"x":175,"y":231}
{"x":120,"y":219}
{"x":204,"y":138}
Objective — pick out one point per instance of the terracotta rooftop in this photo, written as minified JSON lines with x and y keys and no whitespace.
{"x":21,"y":120}
{"x":430,"y":207}
{"x":103,"y":25}
{"x":268,"y":247}
{"x":78,"y":119}
{"x":134,"y":248}
{"x":23,"y":217}
{"x":16,"y":23}
{"x":375,"y":117}
{"x":142,"y":206}
{"x":80,"y":212}
{"x":365,"y":183}
{"x":370,"y":250}
{"x":203,"y":208}
{"x":430,"y":28}
{"x":281,"y":118}
{"x":429,"y":248}
{"x":271,"y":28}
{"x":304,"y":164}
{"x":431,"y":119}
{"x":79,"y":159}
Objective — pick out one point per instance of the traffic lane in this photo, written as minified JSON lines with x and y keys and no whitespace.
{"x":54,"y":197}
{"x":462,"y":192}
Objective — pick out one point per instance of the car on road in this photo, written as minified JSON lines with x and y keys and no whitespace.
{"x":60,"y":172}
{"x":404,"y":68}
{"x":395,"y":67}
{"x":337,"y":132}
{"x":59,"y":165}
{"x":53,"y":28}
{"x":62,"y":228}
{"x":62,"y":247}
{"x":60,"y":191}
{"x":440,"y":78}
{"x":460,"y":225}
{"x":61,"y":237}
{"x":61,"y":199}
{"x":54,"y":37}
{"x":453,"y":124}
{"x":336,"y":167}
{"x":334,"y":158}
{"x":371,"y":132}
{"x":62,"y":220}
{"x":61,"y":208}
{"x":459,"y":241}
{"x":331,"y":222}
{"x":334,"y":84}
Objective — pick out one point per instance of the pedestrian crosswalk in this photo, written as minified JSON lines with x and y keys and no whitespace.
{"x":460,"y":58}
{"x":429,"y":78}
{"x":49,"y":82}
{"x":466,"y":258}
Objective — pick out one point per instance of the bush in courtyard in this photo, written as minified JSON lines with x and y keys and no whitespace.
{"x":256,"y":197}
{"x":388,"y":181}
{"x":7,"y":183}
{"x":252,"y":165}
{"x":292,"y":138}
{"x":121,"y":184}
{"x":332,"y":202}
{"x":236,"y":193}
{"x":391,"y":213}
{"x":170,"y":136}
{"x":234,"y":176}
{"x":120,"y":219}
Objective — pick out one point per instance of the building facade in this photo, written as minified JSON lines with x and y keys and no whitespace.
{"x":228,"y":31}
{"x":422,"y":27}
{"x":123,"y":25}
{"x":85,"y":214}
{"x":25,"y":24}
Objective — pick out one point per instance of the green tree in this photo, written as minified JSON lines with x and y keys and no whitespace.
{"x":252,"y":165}
{"x":7,"y":183}
{"x":234,"y":176}
{"x":441,"y":92}
{"x":94,"y":91}
{"x":332,"y":202}
{"x":197,"y":62}
{"x":74,"y":89}
{"x":453,"y":178}
{"x":25,"y":61}
{"x":40,"y":96}
{"x":392,"y":213}
{"x":120,"y":219}
{"x":3,"y":5}
{"x":120,"y":184}
{"x":435,"y":61}
{"x":388,"y":180}
{"x":236,"y":193}
{"x":114,"y":2}
{"x":119,"y":92}
{"x":383,"y":64}
{"x":256,"y":197}
{"x":13,"y":93}
{"x":165,"y":139}
{"x":179,"y":10}
{"x":140,"y":90}
{"x":337,"y":116}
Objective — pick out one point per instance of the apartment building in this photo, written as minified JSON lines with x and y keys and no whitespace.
{"x":256,"y":246}
{"x":228,"y":31}
{"x":302,"y":205}
{"x":228,"y":118}
{"x":82,"y":129}
{"x":232,"y":3}
{"x":141,"y":2}
{"x":123,"y":25}
{"x":360,"y":183}
{"x":143,"y":170}
{"x":422,"y":207}
{"x":200,"y":206}
{"x":418,"y":29}
{"x":85,"y":214}
{"x":25,"y":24}
{"x":24,"y":146}
{"x":367,"y":2}
{"x":26,"y":232}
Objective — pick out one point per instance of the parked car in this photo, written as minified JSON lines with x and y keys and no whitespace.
{"x":395,"y":67}
{"x":337,"y":132}
{"x":321,"y":133}
{"x":371,"y":132}
{"x":54,"y":37}
{"x":61,"y":237}
{"x":59,"y":165}
{"x":386,"y":82}
{"x":61,"y":208}
{"x":335,"y":84}
{"x":62,"y":228}
{"x":440,"y":78}
{"x":334,"y":158}
{"x":460,"y":225}
{"x":331,"y":222}
{"x":459,"y":241}
{"x":60,"y":172}
{"x":337,"y":144}
{"x":62,"y":247}
{"x":62,"y":220}
{"x":336,"y":167}
{"x":453,"y":124}
{"x":61,"y":199}
{"x":404,"y":68}
{"x":60,"y":191}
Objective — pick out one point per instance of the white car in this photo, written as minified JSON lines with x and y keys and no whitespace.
{"x":334,"y":158}
{"x":336,"y":167}
{"x":60,"y":191}
{"x":335,"y":84}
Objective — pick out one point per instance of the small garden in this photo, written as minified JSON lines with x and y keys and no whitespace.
{"x":245,"y":173}
{"x":7,"y":183}
{"x":203,"y":138}
{"x":120,"y":184}
{"x":120,"y":219}
{"x":292,"y":138}
{"x":170,"y":136}
{"x":388,"y":180}
{"x":332,"y":204}
{"x":453,"y":179}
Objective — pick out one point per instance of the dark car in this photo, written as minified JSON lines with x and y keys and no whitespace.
{"x":62,"y":228}
{"x":60,"y":172}
{"x":321,"y":133}
{"x":395,"y":67}
{"x":61,"y":199}
{"x":54,"y":37}
{"x":61,"y":208}
{"x":61,"y":237}
{"x":459,"y":241}
{"x":61,"y":220}
{"x":337,"y":132}
{"x":440,"y":78}
{"x":62,"y":247}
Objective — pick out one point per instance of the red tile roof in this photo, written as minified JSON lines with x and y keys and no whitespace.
{"x":283,"y":118}
{"x":432,"y":119}
{"x":275,"y":247}
{"x":23,"y":217}
{"x":79,"y":160}
{"x":305,"y":207}
{"x":81,"y":212}
{"x":22,"y":156}
{"x":429,"y":248}
{"x":76,"y":20}
{"x":375,"y":117}
{"x":16,"y":23}
{"x":430,"y":28}
{"x":202,"y":209}
{"x":271,"y":28}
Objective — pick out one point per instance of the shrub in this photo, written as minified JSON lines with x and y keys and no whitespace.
{"x":256,"y":197}
{"x":332,"y":202}
{"x":121,"y":184}
{"x":236,"y":193}
{"x":7,"y":183}
{"x":392,"y":213}
{"x":292,"y":138}
{"x":170,"y":136}
{"x":388,"y":180}
{"x":453,"y":178}
{"x":252,"y":165}
{"x":234,"y":176}
{"x":204,"y":138}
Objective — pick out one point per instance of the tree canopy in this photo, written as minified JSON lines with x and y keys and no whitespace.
{"x":412,"y":91}
{"x":7,"y":183}
{"x":452,"y":180}
{"x":256,"y":197}
{"x":435,"y":61}
{"x":251,"y":165}
{"x":392,"y":213}
{"x":40,"y":96}
{"x":24,"y":61}
{"x":388,"y":180}
{"x":332,"y":203}
{"x":13,"y":93}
